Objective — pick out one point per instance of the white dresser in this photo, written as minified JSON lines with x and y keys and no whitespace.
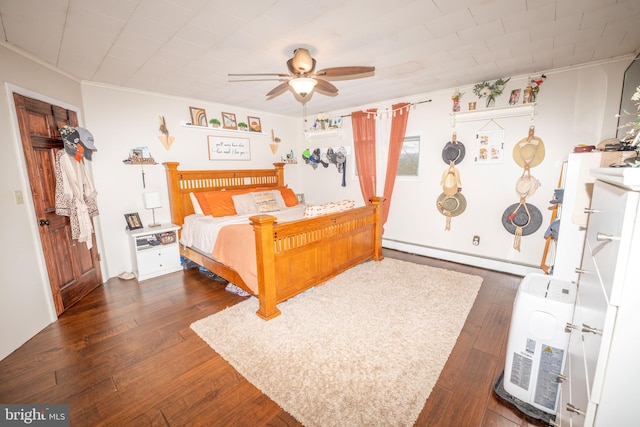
{"x":603,"y":364}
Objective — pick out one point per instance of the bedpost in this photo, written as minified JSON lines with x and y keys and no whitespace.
{"x":265,"y":257}
{"x":377,"y":247}
{"x":177,"y":215}
{"x":279,"y":173}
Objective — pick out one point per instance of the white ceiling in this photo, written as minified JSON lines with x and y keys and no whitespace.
{"x":186,"y":48}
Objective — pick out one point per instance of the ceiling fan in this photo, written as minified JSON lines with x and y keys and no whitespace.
{"x":303,"y":78}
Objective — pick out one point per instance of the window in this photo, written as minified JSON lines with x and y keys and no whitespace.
{"x":409,"y":157}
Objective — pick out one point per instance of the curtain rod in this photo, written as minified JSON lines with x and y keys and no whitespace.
{"x":412,"y":103}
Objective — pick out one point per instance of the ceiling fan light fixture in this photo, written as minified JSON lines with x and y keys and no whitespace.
{"x":302,"y":60}
{"x":303,"y":85}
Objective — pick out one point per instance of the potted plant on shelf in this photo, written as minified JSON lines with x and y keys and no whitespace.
{"x":214,"y":123}
{"x":243,"y":126}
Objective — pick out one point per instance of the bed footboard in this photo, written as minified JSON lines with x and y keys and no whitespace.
{"x":295,"y":256}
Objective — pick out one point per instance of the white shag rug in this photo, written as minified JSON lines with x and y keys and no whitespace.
{"x":364,"y":349}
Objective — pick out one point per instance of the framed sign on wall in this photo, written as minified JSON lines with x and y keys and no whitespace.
{"x":229,"y":148}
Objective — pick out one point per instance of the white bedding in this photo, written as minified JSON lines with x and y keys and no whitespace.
{"x":200,"y":231}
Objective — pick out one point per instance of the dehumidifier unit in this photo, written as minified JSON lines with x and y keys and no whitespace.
{"x":538,"y":342}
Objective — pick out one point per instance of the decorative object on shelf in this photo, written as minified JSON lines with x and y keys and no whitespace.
{"x":490,"y":90}
{"x":165,"y":138}
{"x":290,"y":158}
{"x":322,"y":121}
{"x":515,"y":97}
{"x":133,"y":221}
{"x":152,"y":201}
{"x":198,"y":116}
{"x":229,"y":121}
{"x":472,"y":106}
{"x":229,"y":148}
{"x":254,"y":124}
{"x":531,"y":91}
{"x":336,"y":122}
{"x":215,"y":123}
{"x":140,"y":156}
{"x":456,"y":99}
{"x":243,"y":126}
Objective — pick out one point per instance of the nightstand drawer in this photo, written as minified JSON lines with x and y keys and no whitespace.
{"x":158,"y":259}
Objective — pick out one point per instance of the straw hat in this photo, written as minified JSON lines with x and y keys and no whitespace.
{"x":451,"y":205}
{"x":527,"y":185}
{"x":450,"y":180}
{"x":529,"y":151}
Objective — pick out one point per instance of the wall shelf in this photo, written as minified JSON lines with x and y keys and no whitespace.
{"x":220,"y":129}
{"x":494,"y":113}
{"x":309,"y":135}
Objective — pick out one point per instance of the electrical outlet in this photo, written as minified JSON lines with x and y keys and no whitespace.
{"x":476,"y":240}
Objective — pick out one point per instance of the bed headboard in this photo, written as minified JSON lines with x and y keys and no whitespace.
{"x":181,"y":183}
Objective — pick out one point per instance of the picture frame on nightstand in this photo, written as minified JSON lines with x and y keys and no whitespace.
{"x":133,"y":221}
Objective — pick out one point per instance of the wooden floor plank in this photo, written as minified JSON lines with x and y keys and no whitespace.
{"x":125,"y":355}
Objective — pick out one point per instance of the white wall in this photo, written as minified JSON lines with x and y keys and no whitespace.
{"x":574,"y":106}
{"x":26,"y":305}
{"x":122,"y":119}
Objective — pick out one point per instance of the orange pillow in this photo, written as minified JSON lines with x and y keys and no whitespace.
{"x":217,"y":203}
{"x":289,"y":197}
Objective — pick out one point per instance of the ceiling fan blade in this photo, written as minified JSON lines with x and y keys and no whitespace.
{"x":326,"y":88}
{"x":258,"y":74}
{"x":259,"y":80}
{"x":281,"y":88}
{"x":345,"y":72}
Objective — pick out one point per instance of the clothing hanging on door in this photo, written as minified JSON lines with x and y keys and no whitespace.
{"x":75,"y":196}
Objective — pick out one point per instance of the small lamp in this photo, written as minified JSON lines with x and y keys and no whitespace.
{"x":152,"y":201}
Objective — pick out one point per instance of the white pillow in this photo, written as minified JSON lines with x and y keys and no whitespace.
{"x":244,"y":204}
{"x":196,"y":206}
{"x":265,"y":202}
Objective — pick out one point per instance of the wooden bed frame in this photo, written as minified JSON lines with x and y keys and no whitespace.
{"x":291,"y":256}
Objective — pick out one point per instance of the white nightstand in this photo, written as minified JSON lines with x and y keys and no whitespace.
{"x":155,"y":250}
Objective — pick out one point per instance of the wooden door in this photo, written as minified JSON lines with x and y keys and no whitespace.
{"x":73,"y":269}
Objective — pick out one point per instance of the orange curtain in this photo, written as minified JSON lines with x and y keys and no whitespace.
{"x":396,"y":140}
{"x":364,"y":144}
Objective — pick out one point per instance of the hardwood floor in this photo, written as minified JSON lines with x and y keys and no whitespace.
{"x":125,"y":355}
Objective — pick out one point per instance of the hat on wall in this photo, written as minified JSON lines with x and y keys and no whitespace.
{"x":529,"y":151}
{"x":450,"y":180}
{"x":527,"y":185}
{"x":523,"y":216}
{"x":452,"y":205}
{"x":453,"y":151}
